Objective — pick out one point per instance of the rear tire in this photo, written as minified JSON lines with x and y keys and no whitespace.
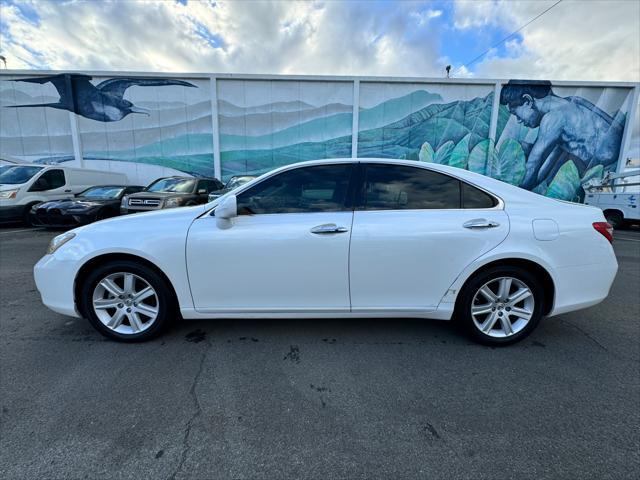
{"x":501,"y":305}
{"x":127,"y":301}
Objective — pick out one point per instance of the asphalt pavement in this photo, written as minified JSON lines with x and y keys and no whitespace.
{"x":280,"y":399}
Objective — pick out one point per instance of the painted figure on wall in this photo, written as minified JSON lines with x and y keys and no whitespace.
{"x":103,"y":102}
{"x":569,"y":128}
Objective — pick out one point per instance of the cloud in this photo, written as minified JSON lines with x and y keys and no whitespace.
{"x":378,"y":38}
{"x":423,"y":17}
{"x":596,"y":40}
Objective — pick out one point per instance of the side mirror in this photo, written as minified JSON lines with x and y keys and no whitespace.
{"x":225,"y":211}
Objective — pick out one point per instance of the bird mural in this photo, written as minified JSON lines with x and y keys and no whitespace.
{"x":103,"y":102}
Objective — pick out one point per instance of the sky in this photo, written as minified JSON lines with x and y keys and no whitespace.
{"x":576,"y":40}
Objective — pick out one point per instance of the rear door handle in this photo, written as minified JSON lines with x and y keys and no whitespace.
{"x":478,"y":223}
{"x":328,"y":228}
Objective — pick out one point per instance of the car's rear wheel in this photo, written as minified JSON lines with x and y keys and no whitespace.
{"x":501,"y":306}
{"x":127,"y":301}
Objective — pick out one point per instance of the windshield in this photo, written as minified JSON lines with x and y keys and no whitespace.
{"x":179,"y":185}
{"x":17,"y":175}
{"x":235,"y":182}
{"x":102,"y":192}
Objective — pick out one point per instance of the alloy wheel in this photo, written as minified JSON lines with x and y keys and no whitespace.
{"x":502,"y":307}
{"x":125,"y":303}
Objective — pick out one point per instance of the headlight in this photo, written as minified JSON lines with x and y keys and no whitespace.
{"x":123,"y":202}
{"x":9,"y":193}
{"x":58,"y":241}
{"x":173,"y":202}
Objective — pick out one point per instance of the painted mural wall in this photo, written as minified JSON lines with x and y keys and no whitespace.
{"x":540,"y":136}
{"x":267,"y":124}
{"x":37,"y":132}
{"x":548,"y":140}
{"x":146,"y":128}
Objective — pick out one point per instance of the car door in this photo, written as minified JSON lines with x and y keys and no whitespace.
{"x":411,"y":237}
{"x":51,"y":184}
{"x":287,"y":250}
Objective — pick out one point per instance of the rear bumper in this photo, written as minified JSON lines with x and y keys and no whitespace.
{"x":582,"y":286}
{"x":54,"y":280}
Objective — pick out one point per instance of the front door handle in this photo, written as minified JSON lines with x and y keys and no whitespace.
{"x":328,"y":228}
{"x":478,"y":223}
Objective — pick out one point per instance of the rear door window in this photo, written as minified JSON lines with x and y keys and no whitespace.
{"x":402,"y":187}
{"x":473,"y":197}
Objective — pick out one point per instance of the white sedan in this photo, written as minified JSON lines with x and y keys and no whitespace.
{"x":339,"y":238}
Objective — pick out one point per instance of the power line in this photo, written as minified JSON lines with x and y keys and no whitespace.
{"x":507,"y":37}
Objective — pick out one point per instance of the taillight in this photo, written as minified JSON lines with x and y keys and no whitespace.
{"x":605,"y":229}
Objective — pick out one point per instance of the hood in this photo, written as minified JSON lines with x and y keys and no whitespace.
{"x":78,"y":203}
{"x":146,"y":221}
{"x":6,"y":186}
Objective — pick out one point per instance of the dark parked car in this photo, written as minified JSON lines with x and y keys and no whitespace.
{"x":170,"y":192}
{"x":94,"y":203}
{"x":234,"y":182}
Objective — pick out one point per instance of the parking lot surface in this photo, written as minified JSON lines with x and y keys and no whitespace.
{"x":316,"y":398}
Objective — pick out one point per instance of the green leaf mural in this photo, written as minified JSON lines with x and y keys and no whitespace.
{"x":478,"y":157}
{"x":426,"y":153}
{"x":541,"y":189}
{"x":596,"y":172}
{"x":444,"y":152}
{"x":508,"y":165}
{"x":460,"y":154}
{"x":566,"y":184}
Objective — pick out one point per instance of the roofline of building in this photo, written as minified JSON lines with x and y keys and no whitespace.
{"x":311,"y":78}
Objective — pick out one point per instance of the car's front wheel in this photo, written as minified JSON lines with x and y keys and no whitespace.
{"x":127,"y":301}
{"x":501,"y":305}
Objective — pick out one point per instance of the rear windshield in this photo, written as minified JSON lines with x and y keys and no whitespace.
{"x":102,"y":192}
{"x":179,"y":185}
{"x":18,"y":174}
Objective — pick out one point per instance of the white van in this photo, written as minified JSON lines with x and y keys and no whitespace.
{"x":22,"y":186}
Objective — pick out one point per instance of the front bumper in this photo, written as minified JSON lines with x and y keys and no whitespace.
{"x":61,"y":220}
{"x":55,"y":281}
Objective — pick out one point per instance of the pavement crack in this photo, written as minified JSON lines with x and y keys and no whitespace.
{"x":595,"y":341}
{"x":584,"y":332}
{"x":186,"y":444}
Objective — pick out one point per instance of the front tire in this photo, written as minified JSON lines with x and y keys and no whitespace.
{"x":501,"y":305}
{"x":127,"y":301}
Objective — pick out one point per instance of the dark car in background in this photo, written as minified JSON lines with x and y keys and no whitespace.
{"x":171,"y":192}
{"x":90,"y":205}
{"x":234,"y":182}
